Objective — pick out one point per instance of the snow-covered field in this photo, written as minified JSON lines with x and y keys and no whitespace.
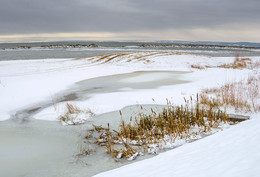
{"x":233,"y":152}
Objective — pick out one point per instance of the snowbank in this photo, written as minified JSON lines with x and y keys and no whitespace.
{"x":231,"y":153}
{"x":26,"y":83}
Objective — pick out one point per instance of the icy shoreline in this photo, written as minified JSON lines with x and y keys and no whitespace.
{"x":51,"y":149}
{"x":233,"y":152}
{"x":25,"y":84}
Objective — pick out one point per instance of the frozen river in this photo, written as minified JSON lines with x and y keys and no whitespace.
{"x":30,"y":147}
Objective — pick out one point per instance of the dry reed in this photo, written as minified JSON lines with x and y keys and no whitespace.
{"x":242,"y":96}
{"x":196,"y":117}
{"x":176,"y":122}
{"x":74,"y":115}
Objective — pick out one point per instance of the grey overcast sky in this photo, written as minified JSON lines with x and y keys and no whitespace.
{"x":148,"y":20}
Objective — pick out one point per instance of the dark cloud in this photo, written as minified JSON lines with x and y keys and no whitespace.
{"x":51,"y":16}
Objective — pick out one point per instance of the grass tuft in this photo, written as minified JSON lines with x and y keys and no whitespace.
{"x":242,"y":96}
{"x":197,"y":67}
{"x":74,"y":115}
{"x":241,"y":63}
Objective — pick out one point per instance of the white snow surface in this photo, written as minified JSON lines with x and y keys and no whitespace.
{"x":25,"y":83}
{"x":230,"y":153}
{"x":234,"y":152}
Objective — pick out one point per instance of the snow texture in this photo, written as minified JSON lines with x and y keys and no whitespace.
{"x":234,"y":152}
{"x":230,"y":153}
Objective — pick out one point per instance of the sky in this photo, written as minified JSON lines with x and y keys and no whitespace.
{"x":144,"y":20}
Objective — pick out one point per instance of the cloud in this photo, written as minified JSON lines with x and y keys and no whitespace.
{"x":117,"y":16}
{"x":231,"y":34}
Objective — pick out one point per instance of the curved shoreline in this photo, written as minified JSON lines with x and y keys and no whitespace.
{"x":83,"y":90}
{"x":57,"y":146}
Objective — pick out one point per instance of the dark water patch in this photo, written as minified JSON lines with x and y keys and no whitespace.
{"x":69,"y":97}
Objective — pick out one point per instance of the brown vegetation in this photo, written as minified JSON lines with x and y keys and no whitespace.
{"x":242,"y":96}
{"x":239,"y":63}
{"x":74,"y":115}
{"x":133,"y":56}
{"x":197,"y":67}
{"x":175,"y":122}
{"x":196,"y":117}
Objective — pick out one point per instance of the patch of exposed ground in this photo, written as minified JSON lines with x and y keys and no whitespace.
{"x":144,"y":57}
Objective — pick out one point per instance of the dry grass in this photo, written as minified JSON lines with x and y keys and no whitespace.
{"x":72,"y":109}
{"x":238,"y":63}
{"x":197,"y":67}
{"x":74,"y":115}
{"x":241,"y":63}
{"x":103,"y":57}
{"x":196,"y":117}
{"x":175,"y":122}
{"x":133,"y":56}
{"x":115,"y":56}
{"x":242,"y":96}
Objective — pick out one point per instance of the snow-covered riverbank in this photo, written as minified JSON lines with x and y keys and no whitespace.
{"x":27,"y":83}
{"x":130,"y":79}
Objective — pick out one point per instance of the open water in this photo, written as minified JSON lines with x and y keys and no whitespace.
{"x":44,"y":50}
